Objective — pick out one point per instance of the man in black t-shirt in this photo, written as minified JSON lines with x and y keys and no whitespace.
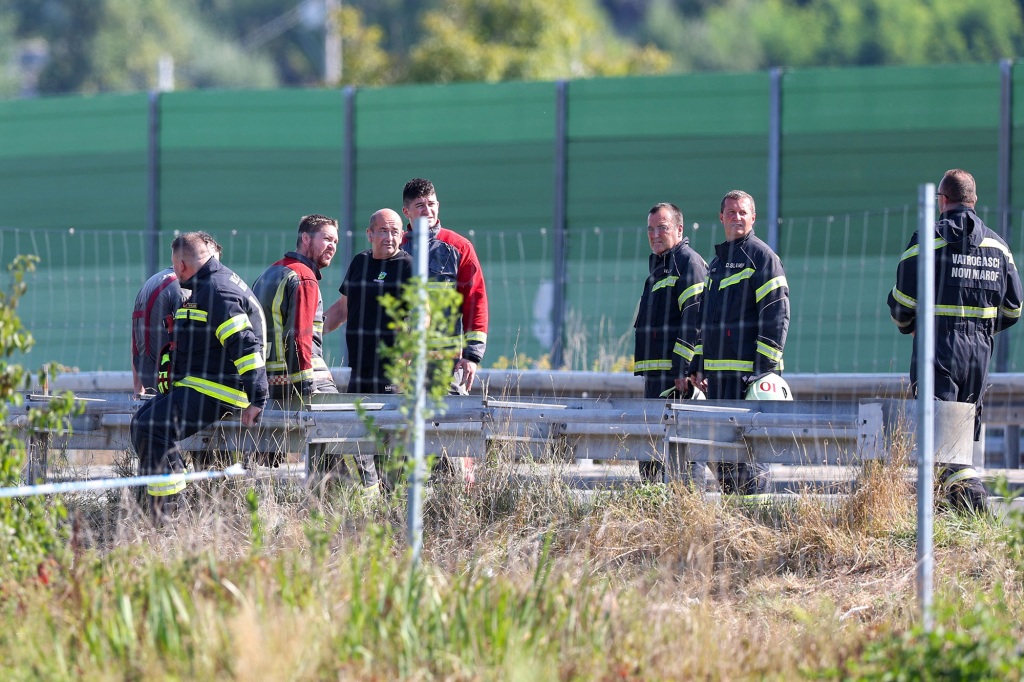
{"x":382,"y":269}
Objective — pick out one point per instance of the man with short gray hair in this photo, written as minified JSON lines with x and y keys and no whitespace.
{"x":668,"y":315}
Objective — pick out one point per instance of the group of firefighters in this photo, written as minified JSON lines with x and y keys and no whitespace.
{"x":210,"y":345}
{"x":721,"y":328}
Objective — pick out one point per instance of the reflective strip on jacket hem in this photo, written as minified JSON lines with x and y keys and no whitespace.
{"x":966,"y":311}
{"x":653,"y":366}
{"x":231,"y":396}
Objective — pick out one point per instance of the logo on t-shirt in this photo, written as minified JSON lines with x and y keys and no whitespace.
{"x":381,"y":276}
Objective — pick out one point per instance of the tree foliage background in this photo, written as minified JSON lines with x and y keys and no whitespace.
{"x":114,"y":45}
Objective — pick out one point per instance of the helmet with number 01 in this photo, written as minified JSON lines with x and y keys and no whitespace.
{"x":769,"y":387}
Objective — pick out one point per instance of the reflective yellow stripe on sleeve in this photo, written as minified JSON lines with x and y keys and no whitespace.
{"x":1009,"y":312}
{"x":770,"y":286}
{"x":683,"y":351}
{"x":903,"y":299}
{"x":248,"y":363}
{"x":233,"y":326}
{"x":689,"y":293}
{"x":476,"y":336}
{"x":915,"y":249}
{"x":231,"y":396}
{"x":769,"y":352}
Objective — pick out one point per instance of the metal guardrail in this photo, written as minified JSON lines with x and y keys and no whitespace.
{"x":613,"y":428}
{"x":1004,"y":398}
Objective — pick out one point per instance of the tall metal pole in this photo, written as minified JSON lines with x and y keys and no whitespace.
{"x":152,"y":241}
{"x":421,"y":226}
{"x":559,"y":227}
{"x":925,"y":340}
{"x":1012,"y":435}
{"x":347,"y":222}
{"x":774,"y":155}
{"x":1004,"y":177}
{"x":332,"y":43}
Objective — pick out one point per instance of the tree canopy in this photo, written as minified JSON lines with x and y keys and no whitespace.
{"x":115,"y":45}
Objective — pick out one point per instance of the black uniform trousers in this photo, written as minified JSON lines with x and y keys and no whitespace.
{"x":166,"y":419}
{"x":292,"y":399}
{"x":962,"y":353}
{"x":656,"y":383}
{"x":737,"y":478}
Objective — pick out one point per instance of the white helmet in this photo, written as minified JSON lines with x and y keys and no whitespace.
{"x":769,"y":387}
{"x":697,"y":394}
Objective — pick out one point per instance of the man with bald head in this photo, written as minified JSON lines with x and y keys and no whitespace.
{"x":382,"y":269}
{"x":217,"y":366}
{"x":977,"y":295}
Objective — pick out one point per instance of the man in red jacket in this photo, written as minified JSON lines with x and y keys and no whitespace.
{"x":452,"y":258}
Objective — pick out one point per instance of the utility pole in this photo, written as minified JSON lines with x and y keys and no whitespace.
{"x":332,"y":43}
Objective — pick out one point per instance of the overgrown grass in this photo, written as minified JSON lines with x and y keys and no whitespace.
{"x":522,"y":578}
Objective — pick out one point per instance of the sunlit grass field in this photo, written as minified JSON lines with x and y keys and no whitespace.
{"x":521,"y":579}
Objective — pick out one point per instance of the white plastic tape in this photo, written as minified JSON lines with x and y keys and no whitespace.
{"x":112,"y":483}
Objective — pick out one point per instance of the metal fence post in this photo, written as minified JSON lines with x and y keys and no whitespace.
{"x":1012,"y":431}
{"x":419,"y":469}
{"x":774,"y":155}
{"x":346,"y":238}
{"x":152,"y":241}
{"x":925,"y":339}
{"x":559,"y":226}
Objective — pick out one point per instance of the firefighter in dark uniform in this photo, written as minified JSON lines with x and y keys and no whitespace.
{"x":217,"y":366}
{"x":669,"y":314}
{"x":977,"y":295}
{"x":744,"y":322}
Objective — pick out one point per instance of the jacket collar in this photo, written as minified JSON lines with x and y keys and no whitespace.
{"x":656,"y":259}
{"x":726,"y":247}
{"x":211,"y":266}
{"x":305,"y":261}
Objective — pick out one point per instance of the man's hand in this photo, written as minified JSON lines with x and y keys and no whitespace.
{"x":682,"y":385}
{"x":251,"y":415}
{"x":698,"y":380}
{"x":469,"y":369}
